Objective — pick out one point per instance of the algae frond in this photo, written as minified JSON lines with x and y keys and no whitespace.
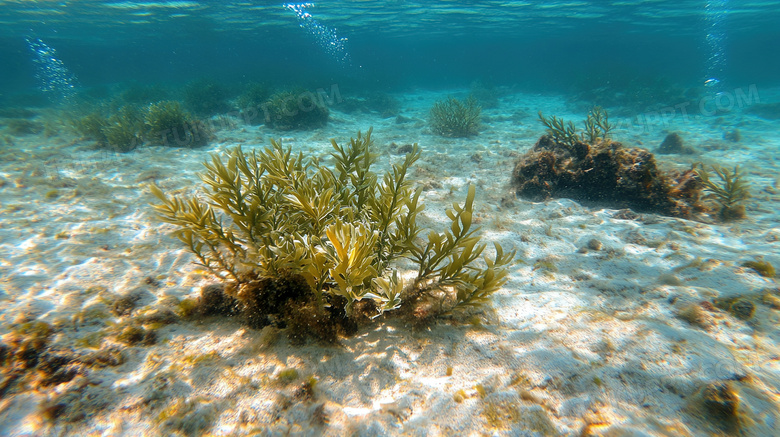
{"x":762,"y":267}
{"x":271,"y":216}
{"x":562,"y":132}
{"x":295,"y":110}
{"x":455,"y":119}
{"x":731,"y":190}
{"x":597,"y":125}
{"x":168,"y":124}
{"x":124,"y":130}
{"x":597,"y":128}
{"x":130,"y":126}
{"x":91,"y":126}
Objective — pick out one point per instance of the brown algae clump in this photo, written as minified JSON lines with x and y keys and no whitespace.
{"x":721,"y":403}
{"x":740,"y":307}
{"x":589,"y":166}
{"x":695,"y":315}
{"x":763,"y":268}
{"x":287,"y":376}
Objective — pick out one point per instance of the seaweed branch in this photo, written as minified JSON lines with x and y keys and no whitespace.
{"x":732,"y":188}
{"x":562,"y":132}
{"x":597,"y":125}
{"x":597,"y":128}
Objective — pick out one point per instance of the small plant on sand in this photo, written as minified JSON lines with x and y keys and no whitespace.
{"x":21,"y":127}
{"x":124,"y":130}
{"x":455,"y":119}
{"x":129,"y":126}
{"x":91,"y":126}
{"x":205,"y":97}
{"x":168,"y":124}
{"x":762,"y":267}
{"x":313,"y":248}
{"x":729,"y":193}
{"x":251,"y":101}
{"x":300,"y":110}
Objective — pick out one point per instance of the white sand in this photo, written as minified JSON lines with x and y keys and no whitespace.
{"x":577,"y":343}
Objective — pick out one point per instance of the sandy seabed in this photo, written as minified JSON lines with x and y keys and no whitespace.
{"x":605,"y":327}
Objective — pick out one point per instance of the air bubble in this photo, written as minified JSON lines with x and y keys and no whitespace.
{"x":325,"y":37}
{"x":54,"y":78}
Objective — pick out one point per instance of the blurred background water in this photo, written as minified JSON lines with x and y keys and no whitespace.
{"x":395,"y":44}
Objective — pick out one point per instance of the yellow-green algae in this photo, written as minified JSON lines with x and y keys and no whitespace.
{"x":270,"y":217}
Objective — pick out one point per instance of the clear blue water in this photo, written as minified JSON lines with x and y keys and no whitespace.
{"x":394,"y":45}
{"x":609,"y":316}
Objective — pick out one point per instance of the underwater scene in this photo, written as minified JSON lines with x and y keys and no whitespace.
{"x":378,"y":218}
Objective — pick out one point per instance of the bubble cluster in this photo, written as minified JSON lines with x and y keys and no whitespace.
{"x":325,"y":37}
{"x":715,"y":13}
{"x":53,"y":77}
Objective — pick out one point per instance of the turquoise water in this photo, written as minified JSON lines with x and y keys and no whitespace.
{"x":613,"y":321}
{"x":394,"y":45}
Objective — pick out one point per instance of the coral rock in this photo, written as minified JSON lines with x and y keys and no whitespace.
{"x":674,"y":144}
{"x":604,"y":172}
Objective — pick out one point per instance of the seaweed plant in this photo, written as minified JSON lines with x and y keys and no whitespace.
{"x":290,"y":110}
{"x":250,"y":103}
{"x":254,"y":95}
{"x":91,"y":126}
{"x":205,"y":97}
{"x":597,"y":128}
{"x":123,"y":131}
{"x":127,"y":127}
{"x":168,"y":124}
{"x":731,"y":190}
{"x":21,"y":127}
{"x":455,"y":119}
{"x":562,"y":132}
{"x":270,"y":217}
{"x":597,"y":125}
{"x":760,"y":266}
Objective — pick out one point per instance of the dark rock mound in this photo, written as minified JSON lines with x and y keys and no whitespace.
{"x":606,"y":172}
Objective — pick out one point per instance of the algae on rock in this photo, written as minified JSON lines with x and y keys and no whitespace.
{"x":597,"y":128}
{"x":271,"y":217}
{"x":590,"y":166}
